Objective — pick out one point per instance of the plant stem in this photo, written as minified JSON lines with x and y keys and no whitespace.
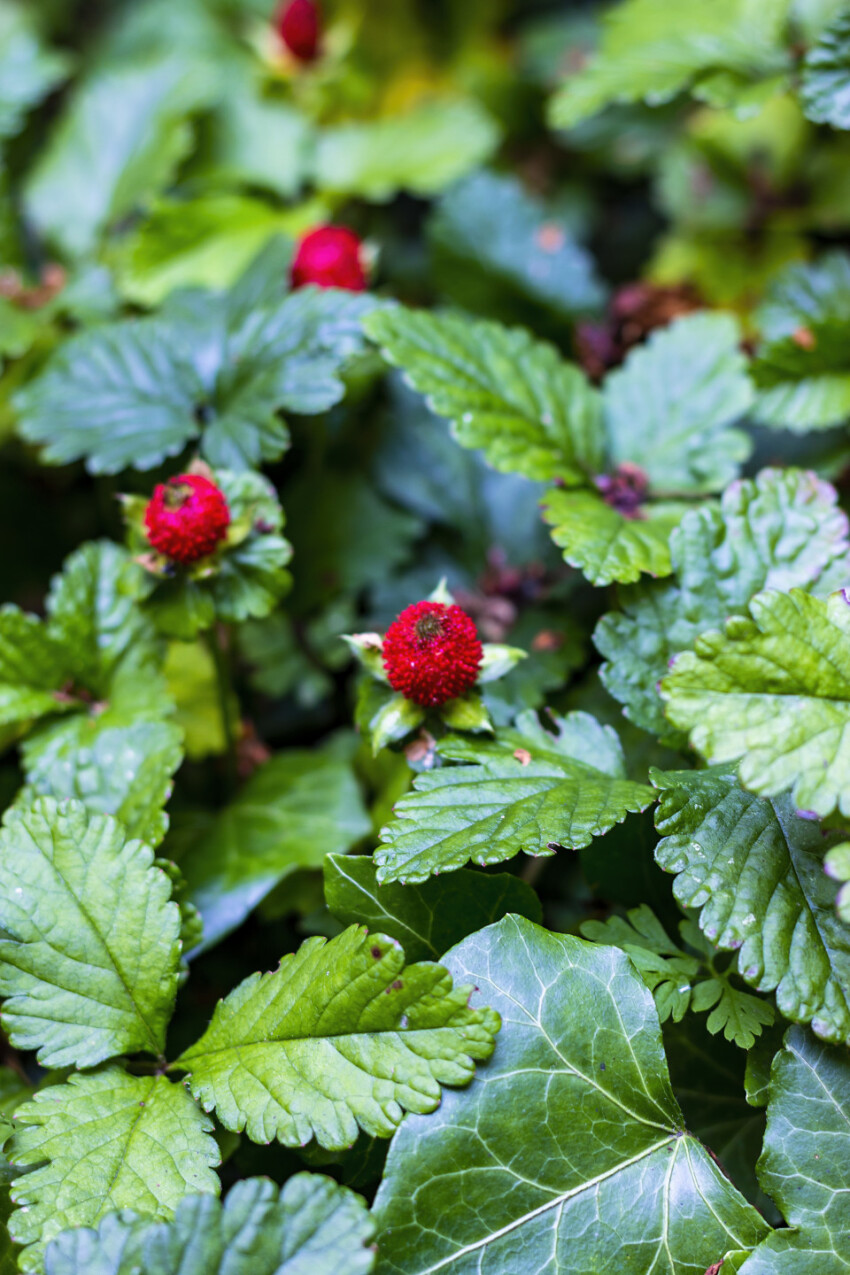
{"x":225,"y":694}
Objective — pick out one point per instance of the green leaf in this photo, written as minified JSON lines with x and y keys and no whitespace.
{"x":89,"y":967}
{"x":33,"y":668}
{"x":490,"y":220}
{"x":514,"y":397}
{"x":191,"y":678}
{"x":669,"y":408}
{"x":825,"y":90}
{"x":607,"y":545}
{"x":294,"y":810}
{"x":426,"y":919}
{"x":259,"y":142}
{"x":525,"y":790}
{"x":607,"y":1133}
{"x":105,"y":1141}
{"x":650,"y":52}
{"x":421,"y":152}
{"x":837,"y":865}
{"x":780,"y":530}
{"x":341,"y":1036}
{"x":308,"y":1225}
{"x":28,"y":71}
{"x":806,"y":1149}
{"x":755,"y":871}
{"x":774,"y":691}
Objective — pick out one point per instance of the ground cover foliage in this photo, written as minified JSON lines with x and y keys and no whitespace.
{"x":545,"y":975}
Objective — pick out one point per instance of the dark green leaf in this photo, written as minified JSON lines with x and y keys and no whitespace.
{"x":825,"y":89}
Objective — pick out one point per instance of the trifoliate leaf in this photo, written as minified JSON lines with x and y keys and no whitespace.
{"x":293,"y":811}
{"x":89,"y":969}
{"x":606,"y":544}
{"x":105,"y":1141}
{"x":774,"y":691}
{"x":606,"y":1132}
{"x":802,"y":1166}
{"x":422,"y":151}
{"x":669,"y":408}
{"x":754,"y":868}
{"x":426,"y":919}
{"x":825,"y":90}
{"x":310,"y":1225}
{"x":341,"y":1037}
{"x":526,"y":790}
{"x":28,"y":71}
{"x":781,"y":530}
{"x":514,"y":397}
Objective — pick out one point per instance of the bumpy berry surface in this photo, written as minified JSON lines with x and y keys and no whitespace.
{"x":298,"y":27}
{"x":330,"y":256}
{"x":432,"y":653}
{"x":186,"y":518}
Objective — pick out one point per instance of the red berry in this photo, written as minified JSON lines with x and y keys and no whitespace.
{"x":298,"y":26}
{"x":330,"y":256}
{"x":432,"y":653}
{"x":186,"y":518}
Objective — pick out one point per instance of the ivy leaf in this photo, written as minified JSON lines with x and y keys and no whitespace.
{"x":295,"y":809}
{"x":825,"y":90}
{"x":309,"y":1224}
{"x":529,"y":411}
{"x":773,"y":690}
{"x":421,"y":151}
{"x":806,"y":1146}
{"x":105,"y":1141}
{"x":755,"y":871}
{"x":525,"y":790}
{"x":607,"y":1131}
{"x":781,"y":530}
{"x":341,"y":1037}
{"x":669,"y":408}
{"x":426,"y":919}
{"x":606,"y":544}
{"x":89,"y":967}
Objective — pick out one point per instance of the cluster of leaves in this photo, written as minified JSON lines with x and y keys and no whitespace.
{"x":556,"y":977}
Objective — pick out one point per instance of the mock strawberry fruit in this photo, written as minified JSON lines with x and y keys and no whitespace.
{"x":298,"y":27}
{"x":331,"y":257}
{"x":186,"y":518}
{"x":432,"y":653}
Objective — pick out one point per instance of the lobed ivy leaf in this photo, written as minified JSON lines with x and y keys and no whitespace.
{"x":754,"y":868}
{"x":607,"y":1132}
{"x":105,"y":1141}
{"x":426,"y":919}
{"x":515,"y":398}
{"x":527,"y":790}
{"x":606,"y":544}
{"x":774,"y":691}
{"x":310,"y":1226}
{"x":88,"y":967}
{"x":825,"y":88}
{"x":342,"y":1036}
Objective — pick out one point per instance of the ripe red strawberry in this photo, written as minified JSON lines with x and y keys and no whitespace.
{"x":330,"y":256}
{"x":186,"y":518}
{"x":432,"y":653}
{"x":298,"y":26}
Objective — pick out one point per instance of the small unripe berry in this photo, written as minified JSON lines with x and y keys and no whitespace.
{"x":432,"y":653}
{"x":186,"y":518}
{"x":298,"y":27}
{"x":331,"y":257}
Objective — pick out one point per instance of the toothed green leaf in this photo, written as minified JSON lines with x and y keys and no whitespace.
{"x":607,"y":545}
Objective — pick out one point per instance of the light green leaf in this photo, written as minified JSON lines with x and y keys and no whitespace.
{"x":526,"y":790}
{"x":28,"y":71}
{"x":259,"y":142}
{"x":607,"y":545}
{"x":781,"y":530}
{"x":310,"y":1225}
{"x":773,"y":691}
{"x":191,"y":678}
{"x":426,"y":919}
{"x":607,"y":1132}
{"x":33,"y":668}
{"x":89,"y":969}
{"x":293,"y":811}
{"x":106,"y":1141}
{"x":755,"y":871}
{"x":837,"y":865}
{"x":825,"y":90}
{"x":514,"y":397}
{"x":803,"y":1164}
{"x":422,"y":151}
{"x":669,"y":408}
{"x":341,"y":1037}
